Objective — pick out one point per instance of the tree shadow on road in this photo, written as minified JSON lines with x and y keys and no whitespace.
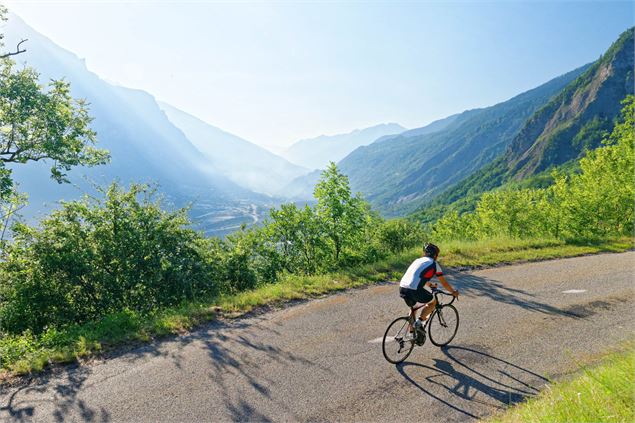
{"x":237,"y":356}
{"x":55,"y":391}
{"x":478,"y":286}
{"x":235,"y":350}
{"x":472,"y":382}
{"x":236,"y":353}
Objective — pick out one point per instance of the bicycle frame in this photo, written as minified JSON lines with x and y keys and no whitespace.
{"x":437,"y":306}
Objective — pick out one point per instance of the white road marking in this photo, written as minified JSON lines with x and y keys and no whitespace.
{"x":574,"y":291}
{"x":376,"y":340}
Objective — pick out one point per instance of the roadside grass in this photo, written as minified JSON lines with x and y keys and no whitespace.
{"x":27,"y":353}
{"x":601,"y":393}
{"x":491,"y":252}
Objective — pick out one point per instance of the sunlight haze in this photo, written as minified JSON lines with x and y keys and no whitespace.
{"x":274,"y":73}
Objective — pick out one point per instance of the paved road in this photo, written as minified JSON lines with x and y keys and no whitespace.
{"x":319,"y":361}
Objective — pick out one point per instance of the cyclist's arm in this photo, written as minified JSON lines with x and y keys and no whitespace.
{"x":447,"y":286}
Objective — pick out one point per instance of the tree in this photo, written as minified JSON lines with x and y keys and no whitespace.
{"x":454,"y":226}
{"x":18,"y":50}
{"x":40,"y":123}
{"x":342,"y":214}
{"x":297,"y":233}
{"x":600,"y":199}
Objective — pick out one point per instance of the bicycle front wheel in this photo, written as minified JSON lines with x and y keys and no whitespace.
{"x":443,"y":325}
{"x":398,"y":341}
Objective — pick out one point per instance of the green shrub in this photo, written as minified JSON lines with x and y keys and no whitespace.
{"x":397,"y":235}
{"x":13,"y":348}
{"x":97,"y":257}
{"x":123,"y":256}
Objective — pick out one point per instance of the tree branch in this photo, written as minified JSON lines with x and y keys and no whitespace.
{"x":16,"y":52}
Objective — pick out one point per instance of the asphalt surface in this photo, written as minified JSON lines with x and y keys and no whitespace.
{"x":320,"y":361}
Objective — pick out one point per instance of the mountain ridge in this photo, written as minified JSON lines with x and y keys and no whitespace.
{"x":317,"y":152}
{"x":561,"y":131}
{"x":144,"y":145}
{"x":243,"y":162}
{"x":595,"y":95}
{"x":398,"y":176}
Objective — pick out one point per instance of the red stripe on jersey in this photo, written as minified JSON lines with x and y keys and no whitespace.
{"x":429,"y":273}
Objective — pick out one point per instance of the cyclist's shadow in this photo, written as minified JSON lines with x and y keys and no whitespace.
{"x":475,"y":380}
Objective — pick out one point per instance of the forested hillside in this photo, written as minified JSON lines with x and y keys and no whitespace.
{"x":595,"y":203}
{"x":402,"y":172}
{"x":302,"y":186}
{"x":573,"y":122}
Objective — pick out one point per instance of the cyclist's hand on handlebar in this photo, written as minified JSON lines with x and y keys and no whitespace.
{"x":455,"y":293}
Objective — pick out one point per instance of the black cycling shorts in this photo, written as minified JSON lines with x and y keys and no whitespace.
{"x":412,"y":296}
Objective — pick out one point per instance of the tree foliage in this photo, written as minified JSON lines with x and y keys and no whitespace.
{"x":341,"y":213}
{"x":42,"y":123}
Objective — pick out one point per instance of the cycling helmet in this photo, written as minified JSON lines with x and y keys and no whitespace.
{"x":431,"y":249}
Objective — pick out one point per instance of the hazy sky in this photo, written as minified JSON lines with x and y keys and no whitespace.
{"x":276,"y":72}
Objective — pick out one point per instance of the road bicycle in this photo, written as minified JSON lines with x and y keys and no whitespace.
{"x":402,"y":335}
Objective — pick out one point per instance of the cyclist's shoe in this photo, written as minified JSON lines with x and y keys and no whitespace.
{"x":421,"y":337}
{"x":416,"y":325}
{"x":420,"y":333}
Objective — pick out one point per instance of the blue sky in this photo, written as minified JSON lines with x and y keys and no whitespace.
{"x":276,"y":72}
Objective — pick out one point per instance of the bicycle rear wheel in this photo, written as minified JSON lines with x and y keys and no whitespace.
{"x":444,"y":323}
{"x":398,"y":342}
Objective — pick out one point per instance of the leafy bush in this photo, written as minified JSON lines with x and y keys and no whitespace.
{"x":96,"y":257}
{"x":296,"y":234}
{"x":13,"y":348}
{"x":342,"y":216}
{"x":339,"y":231}
{"x":398,"y":235}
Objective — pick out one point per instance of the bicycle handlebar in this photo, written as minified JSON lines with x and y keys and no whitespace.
{"x":436,"y":291}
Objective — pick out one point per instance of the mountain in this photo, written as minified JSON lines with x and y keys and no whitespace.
{"x":301,"y":188}
{"x":430,"y":128}
{"x":399,"y":174}
{"x":316,"y":153}
{"x":561,"y":131}
{"x":243,"y":162}
{"x":144,"y":145}
{"x":579,"y":116}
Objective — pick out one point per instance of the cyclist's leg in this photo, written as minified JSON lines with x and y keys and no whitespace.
{"x":410,"y":301}
{"x":426,"y":298}
{"x":427,"y":310}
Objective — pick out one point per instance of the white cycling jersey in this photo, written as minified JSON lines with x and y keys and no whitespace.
{"x":420,"y":271}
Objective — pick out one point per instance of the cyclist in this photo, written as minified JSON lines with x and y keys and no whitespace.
{"x":418,"y":275}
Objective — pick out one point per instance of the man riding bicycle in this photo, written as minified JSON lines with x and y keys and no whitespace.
{"x":418,"y":276}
